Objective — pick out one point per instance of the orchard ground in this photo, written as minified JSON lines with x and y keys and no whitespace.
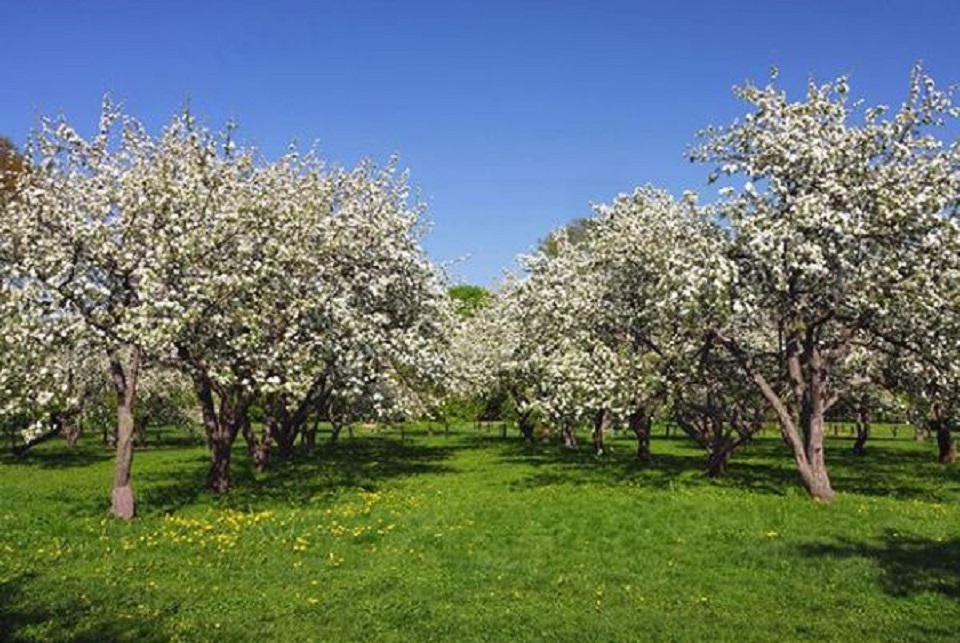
{"x":468,"y":536}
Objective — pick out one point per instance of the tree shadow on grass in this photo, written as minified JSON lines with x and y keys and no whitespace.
{"x":890,"y":468}
{"x":910,"y":564}
{"x":24,"y":618}
{"x":893,"y":469}
{"x":675,"y":462}
{"x":352,"y":464}
{"x":59,"y":456}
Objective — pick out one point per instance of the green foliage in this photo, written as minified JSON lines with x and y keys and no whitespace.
{"x":392,"y":535}
{"x":469,"y":299}
{"x":12,"y":165}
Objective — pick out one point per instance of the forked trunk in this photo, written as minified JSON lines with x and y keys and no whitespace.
{"x":569,"y":436}
{"x":223,"y":420}
{"x":803,"y":430}
{"x":125,"y":381}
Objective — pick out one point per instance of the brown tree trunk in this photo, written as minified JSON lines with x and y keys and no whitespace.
{"x":223,"y":420}
{"x":804,"y":431}
{"x":218,"y":478}
{"x":526,"y":425}
{"x":261,"y":453}
{"x":71,"y":433}
{"x":863,"y":432}
{"x":640,"y":423}
{"x":569,"y":436}
{"x":285,"y":444}
{"x":249,"y":438}
{"x":71,"y":426}
{"x":811,"y":461}
{"x":310,"y":437}
{"x":718,"y":460}
{"x":125,"y":381}
{"x":601,"y":424}
{"x":946,"y":445}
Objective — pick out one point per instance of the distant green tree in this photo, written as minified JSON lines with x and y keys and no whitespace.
{"x":12,"y":164}
{"x":469,"y":299}
{"x":576,"y":232}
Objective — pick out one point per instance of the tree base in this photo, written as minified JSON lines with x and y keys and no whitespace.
{"x":121,"y":502}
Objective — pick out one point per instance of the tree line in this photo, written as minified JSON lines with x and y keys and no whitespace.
{"x":824,"y":275}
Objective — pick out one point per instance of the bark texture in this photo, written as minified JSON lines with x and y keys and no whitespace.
{"x":125,"y":378}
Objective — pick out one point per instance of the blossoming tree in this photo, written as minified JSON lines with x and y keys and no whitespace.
{"x":832,"y":226}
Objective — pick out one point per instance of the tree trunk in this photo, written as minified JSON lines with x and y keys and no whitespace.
{"x":526,"y":425}
{"x":811,"y":461}
{"x":250,"y":438}
{"x":640,"y":423}
{"x":125,"y":381}
{"x":569,"y":436}
{"x":946,"y":445}
{"x":261,"y":452}
{"x":285,"y":444}
{"x":71,"y":433}
{"x":71,"y":426}
{"x":310,"y":438}
{"x":803,"y":430}
{"x":218,"y":478}
{"x":863,"y":432}
{"x":223,"y":420}
{"x":718,"y":460}
{"x":335,"y":428}
{"x":601,"y":424}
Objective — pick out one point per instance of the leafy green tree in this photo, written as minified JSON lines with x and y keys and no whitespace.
{"x":468,"y":299}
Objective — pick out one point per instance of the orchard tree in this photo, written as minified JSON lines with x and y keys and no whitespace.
{"x":661,"y":269}
{"x":85,"y":243}
{"x":833,"y":224}
{"x":490,"y":352}
{"x":332,"y":304}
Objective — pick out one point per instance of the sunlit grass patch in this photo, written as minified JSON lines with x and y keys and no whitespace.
{"x":470,"y":537}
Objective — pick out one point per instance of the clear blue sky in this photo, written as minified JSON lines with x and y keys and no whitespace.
{"x":513,"y":116}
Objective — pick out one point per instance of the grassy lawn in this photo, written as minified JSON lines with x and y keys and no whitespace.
{"x":471,"y":537}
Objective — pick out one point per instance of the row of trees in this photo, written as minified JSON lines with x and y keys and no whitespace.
{"x":828,"y":272}
{"x":289,"y":285}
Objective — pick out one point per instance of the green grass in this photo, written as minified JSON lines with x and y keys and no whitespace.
{"x":471,"y":537}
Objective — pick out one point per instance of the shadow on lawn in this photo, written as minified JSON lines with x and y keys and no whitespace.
{"x":60,"y":457}
{"x":890,"y":468}
{"x":358,"y":464}
{"x":910,"y":565}
{"x":20,"y":613}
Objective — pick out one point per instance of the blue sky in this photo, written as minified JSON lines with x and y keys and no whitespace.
{"x":513,"y":116}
